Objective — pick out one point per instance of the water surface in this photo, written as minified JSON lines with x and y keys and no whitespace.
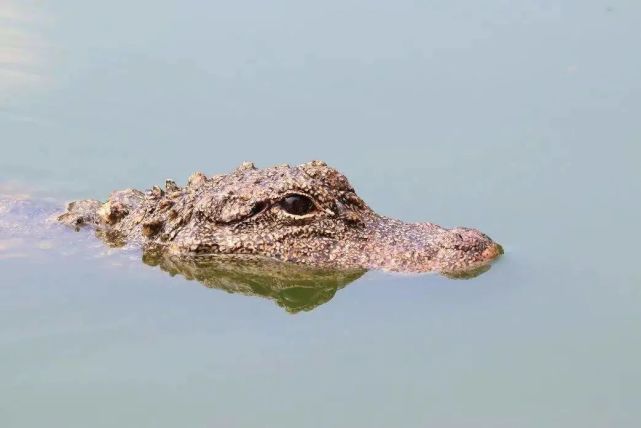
{"x":518,"y":119}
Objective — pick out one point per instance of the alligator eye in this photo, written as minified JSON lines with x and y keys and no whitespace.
{"x":297,"y":205}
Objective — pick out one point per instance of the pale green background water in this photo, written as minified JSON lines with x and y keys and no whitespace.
{"x":519,"y":118}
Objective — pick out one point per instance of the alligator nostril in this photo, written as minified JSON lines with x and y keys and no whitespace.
{"x":492,"y":251}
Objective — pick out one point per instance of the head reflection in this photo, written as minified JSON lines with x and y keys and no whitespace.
{"x":294,"y":288}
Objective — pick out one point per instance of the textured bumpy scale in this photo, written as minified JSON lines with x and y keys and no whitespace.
{"x":307,"y":214}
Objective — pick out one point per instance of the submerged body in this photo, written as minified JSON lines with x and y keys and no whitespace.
{"x":307,"y":214}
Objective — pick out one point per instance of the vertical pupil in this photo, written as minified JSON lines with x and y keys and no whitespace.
{"x":297,"y":204}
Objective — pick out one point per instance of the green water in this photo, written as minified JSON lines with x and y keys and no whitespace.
{"x":518,"y":118}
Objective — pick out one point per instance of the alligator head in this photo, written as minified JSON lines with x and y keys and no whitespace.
{"x":307,"y":214}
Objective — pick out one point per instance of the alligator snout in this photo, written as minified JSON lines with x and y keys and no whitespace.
{"x":420,"y":247}
{"x":464,"y":238}
{"x":469,"y":245}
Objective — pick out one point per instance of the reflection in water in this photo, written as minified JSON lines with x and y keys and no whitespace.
{"x":468,"y":274}
{"x":293,"y":287}
{"x":20,"y":48}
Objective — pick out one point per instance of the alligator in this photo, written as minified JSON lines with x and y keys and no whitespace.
{"x":306,"y":215}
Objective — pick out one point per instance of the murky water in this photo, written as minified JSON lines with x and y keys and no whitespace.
{"x":518,"y":118}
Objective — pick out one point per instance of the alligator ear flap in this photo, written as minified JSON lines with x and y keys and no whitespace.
{"x":229,"y":210}
{"x":237,"y":210}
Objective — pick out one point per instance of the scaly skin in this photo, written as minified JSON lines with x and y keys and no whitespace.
{"x":308,"y":214}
